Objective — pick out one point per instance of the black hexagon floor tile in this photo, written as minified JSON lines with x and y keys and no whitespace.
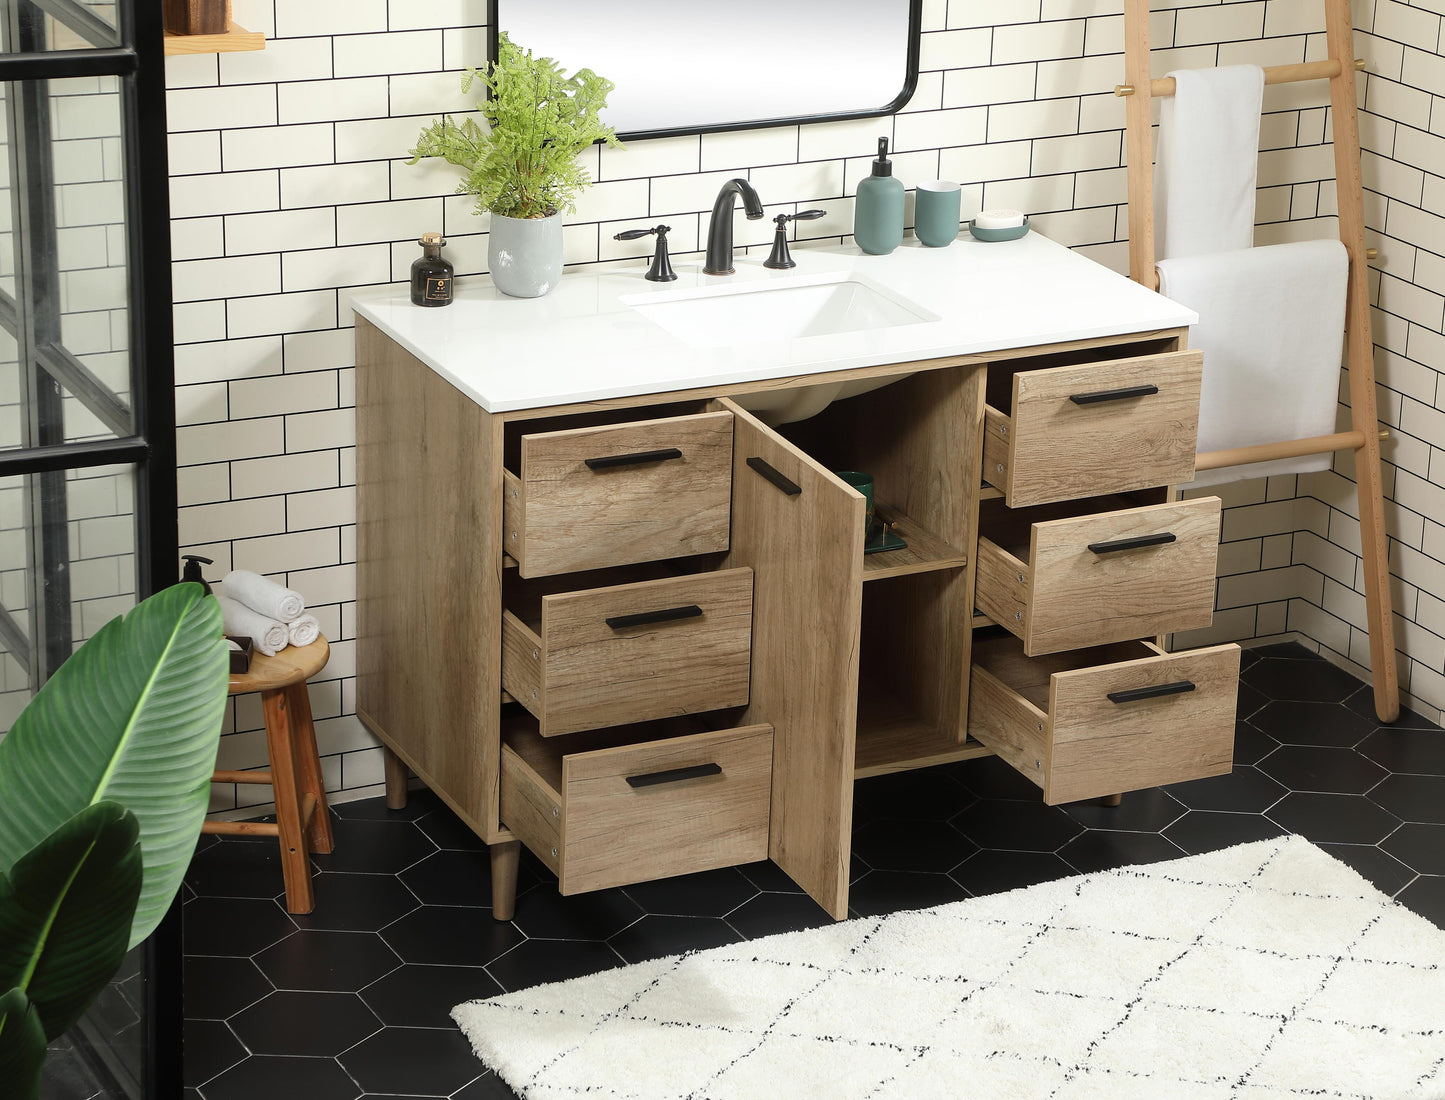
{"x":1201,"y":831}
{"x":327,"y":962}
{"x":1100,"y":850}
{"x":537,"y":961}
{"x":1304,"y":723}
{"x":1322,"y":768}
{"x":1418,"y":846}
{"x":767,"y":875}
{"x":305,"y":1024}
{"x":1383,"y":870}
{"x":990,"y":777}
{"x":267,"y":1076}
{"x":453,"y":877}
{"x":1147,"y":811}
{"x":487,"y":1087}
{"x":451,"y":936}
{"x":433,"y":1062}
{"x":375,"y":847}
{"x":655,"y":937}
{"x":446,"y":830}
{"x":1313,"y":681}
{"x":234,"y":926}
{"x":771,"y":913}
{"x":880,"y":892}
{"x":211,"y":1049}
{"x":1413,"y":797}
{"x":704,"y":894}
{"x":1249,"y":700}
{"x":1244,"y":790}
{"x":993,"y":872}
{"x":932,"y":793}
{"x":1407,"y":751}
{"x":893,"y":844}
{"x":218,"y":987}
{"x":1017,"y":826}
{"x":546,"y":914}
{"x":1250,"y":745}
{"x":1334,"y":818}
{"x":419,"y":802}
{"x":423,"y":996}
{"x":1362,"y":702}
{"x":237,"y":869}
{"x":1426,"y":896}
{"x":349,"y":902}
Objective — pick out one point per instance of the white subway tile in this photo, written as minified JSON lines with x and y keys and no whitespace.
{"x":280,"y":231}
{"x":323,"y":17}
{"x":409,"y":15}
{"x":224,"y":442}
{"x":432,"y":94}
{"x":281,"y":313}
{"x":318,"y":430}
{"x":220,"y":108}
{"x":334,"y":185}
{"x":1038,"y":41}
{"x":308,"y":351}
{"x":283,"y":393}
{"x":277,"y":147}
{"x":283,"y":59}
{"x":656,"y":157}
{"x":335,"y":267}
{"x":196,"y":280}
{"x":386,"y":54}
{"x":734,"y":150}
{"x":195,"y":238}
{"x":291,"y":473}
{"x":389,"y":221}
{"x":332,"y":101}
{"x":378,"y":139}
{"x":279,"y":553}
{"x":223,"y":193}
{"x":194,"y":152}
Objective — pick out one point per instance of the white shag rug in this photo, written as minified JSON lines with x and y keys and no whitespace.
{"x":1269,"y":970}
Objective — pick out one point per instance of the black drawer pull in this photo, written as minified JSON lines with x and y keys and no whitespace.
{"x":787,"y":485}
{"x":633,"y":459}
{"x":1154,"y":691}
{"x":1112,"y":395}
{"x":666,"y":615}
{"x":673,"y":775}
{"x":1132,"y":543}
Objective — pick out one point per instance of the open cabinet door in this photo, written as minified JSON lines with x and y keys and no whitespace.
{"x":800,"y":529}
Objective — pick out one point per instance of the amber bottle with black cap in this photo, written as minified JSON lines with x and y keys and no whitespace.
{"x":431,"y":275}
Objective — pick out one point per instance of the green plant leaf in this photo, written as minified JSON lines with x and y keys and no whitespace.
{"x":133,"y":716}
{"x":22,"y":1045}
{"x":65,"y":912}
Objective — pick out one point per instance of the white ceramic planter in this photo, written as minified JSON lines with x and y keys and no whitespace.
{"x":525,"y":254}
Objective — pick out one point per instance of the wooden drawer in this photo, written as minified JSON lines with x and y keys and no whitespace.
{"x":603,"y":812}
{"x":1066,"y":581}
{"x":632,"y":652}
{"x":1096,"y":428}
{"x":1100,"y":721}
{"x":587,"y":498}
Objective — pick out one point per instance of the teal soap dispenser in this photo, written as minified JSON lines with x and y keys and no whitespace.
{"x":878,"y":210}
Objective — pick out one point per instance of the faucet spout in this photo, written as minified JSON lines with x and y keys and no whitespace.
{"x":720,"y":229}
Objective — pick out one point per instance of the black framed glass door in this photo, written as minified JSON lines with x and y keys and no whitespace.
{"x":87,"y":420}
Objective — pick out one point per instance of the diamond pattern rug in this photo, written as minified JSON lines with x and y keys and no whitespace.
{"x":1262,"y":971}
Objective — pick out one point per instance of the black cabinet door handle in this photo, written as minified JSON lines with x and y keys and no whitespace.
{"x":1133,"y":543}
{"x":673,"y":775}
{"x":666,"y":615}
{"x":1113,"y":395}
{"x":787,"y":485}
{"x":632,"y":459}
{"x":1153,"y":691}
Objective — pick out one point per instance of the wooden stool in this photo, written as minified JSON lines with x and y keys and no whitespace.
{"x":302,"y":823}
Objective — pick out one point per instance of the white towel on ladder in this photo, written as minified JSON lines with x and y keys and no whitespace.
{"x":1271,"y":326}
{"x":1208,"y":162}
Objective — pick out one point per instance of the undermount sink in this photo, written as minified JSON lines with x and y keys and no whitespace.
{"x":776,"y":311}
{"x":759,"y":313}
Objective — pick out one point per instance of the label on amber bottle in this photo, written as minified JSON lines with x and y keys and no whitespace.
{"x":438,"y":288}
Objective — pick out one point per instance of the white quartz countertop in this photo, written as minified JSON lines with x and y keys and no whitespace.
{"x":584,"y":341}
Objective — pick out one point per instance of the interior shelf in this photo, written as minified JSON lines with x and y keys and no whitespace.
{"x":893,"y":738}
{"x":237,"y":39}
{"x":988,"y":492}
{"x":924,"y":552}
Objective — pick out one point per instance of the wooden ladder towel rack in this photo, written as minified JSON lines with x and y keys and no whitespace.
{"x":1339,"y":69}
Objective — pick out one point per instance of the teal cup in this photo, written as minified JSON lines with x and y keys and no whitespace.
{"x":864,"y":484}
{"x":936,"y":212}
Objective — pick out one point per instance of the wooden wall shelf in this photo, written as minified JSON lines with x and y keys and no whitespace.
{"x":235,"y":40}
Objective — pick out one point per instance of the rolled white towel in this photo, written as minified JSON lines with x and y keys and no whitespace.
{"x":265,"y":633}
{"x":304,"y":630}
{"x":265,"y":596}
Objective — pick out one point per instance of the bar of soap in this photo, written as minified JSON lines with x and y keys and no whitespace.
{"x":998,"y":219}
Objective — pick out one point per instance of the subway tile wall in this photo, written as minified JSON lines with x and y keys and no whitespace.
{"x":290,"y":193}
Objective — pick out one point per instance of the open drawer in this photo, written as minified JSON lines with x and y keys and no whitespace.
{"x":588,"y":498}
{"x":1060,"y":580}
{"x":1100,"y":721}
{"x":1088,"y":429}
{"x":607,"y":809}
{"x":632,"y":652}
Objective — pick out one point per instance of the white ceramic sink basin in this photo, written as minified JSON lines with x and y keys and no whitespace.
{"x":782,"y":310}
{"x":760,"y":313}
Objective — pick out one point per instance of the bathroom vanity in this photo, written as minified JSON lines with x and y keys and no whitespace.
{"x":614,"y":604}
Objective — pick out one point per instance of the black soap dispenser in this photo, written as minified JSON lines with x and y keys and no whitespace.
{"x":191,"y":571}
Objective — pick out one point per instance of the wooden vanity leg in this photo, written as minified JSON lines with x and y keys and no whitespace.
{"x":506,"y":855}
{"x":1111,"y":800}
{"x":395,"y":780}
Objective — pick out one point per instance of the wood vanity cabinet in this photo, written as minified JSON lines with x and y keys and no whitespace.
{"x":641,"y":634}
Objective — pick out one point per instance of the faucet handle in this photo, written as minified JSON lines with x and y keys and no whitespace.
{"x":661,"y":269}
{"x":779,"y":259}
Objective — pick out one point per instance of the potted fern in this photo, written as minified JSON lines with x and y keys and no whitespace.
{"x":523,"y":167}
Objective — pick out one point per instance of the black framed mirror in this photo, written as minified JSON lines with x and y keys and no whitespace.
{"x":692,"y":68}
